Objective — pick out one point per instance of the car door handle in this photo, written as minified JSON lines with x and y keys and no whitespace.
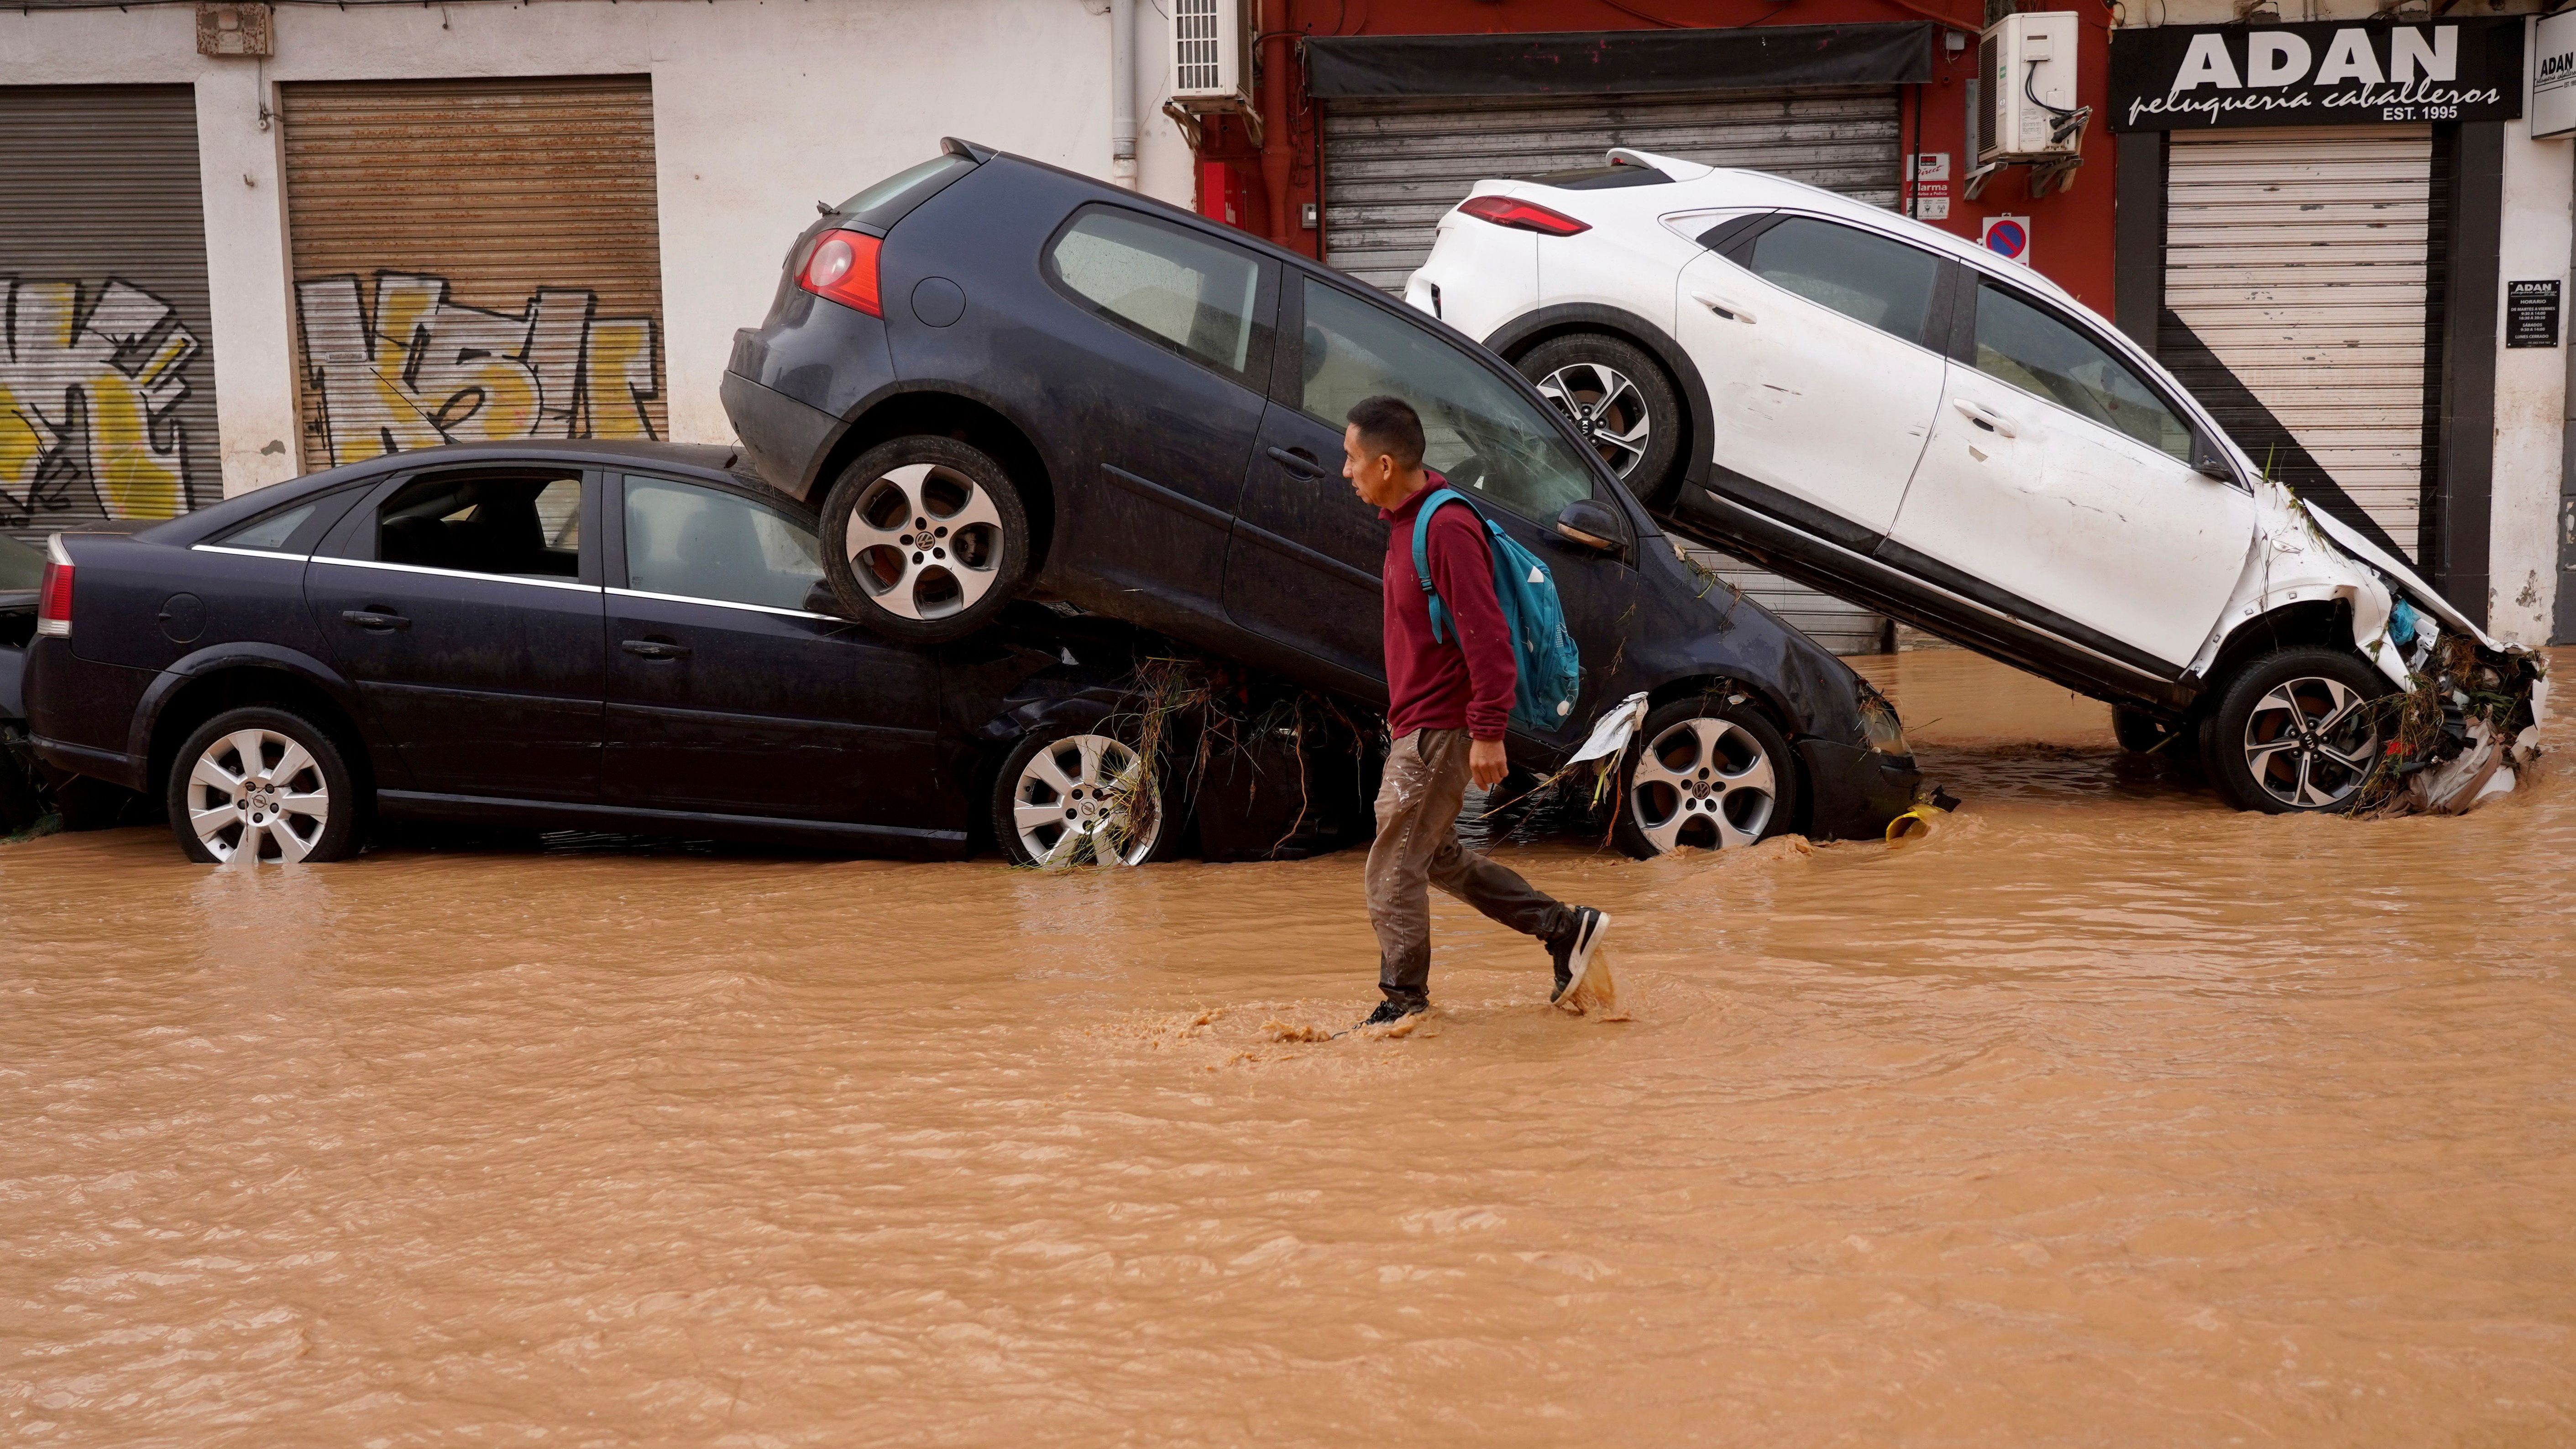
{"x":654,"y":648}
{"x":1992,"y":422}
{"x":1296,"y":461}
{"x":1724,"y":308}
{"x":376,"y":619}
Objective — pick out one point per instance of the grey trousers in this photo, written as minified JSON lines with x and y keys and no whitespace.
{"x":1417,"y":848}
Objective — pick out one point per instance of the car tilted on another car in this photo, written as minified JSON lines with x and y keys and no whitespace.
{"x":1886,"y":412}
{"x":620,"y":637}
{"x":996,"y":380}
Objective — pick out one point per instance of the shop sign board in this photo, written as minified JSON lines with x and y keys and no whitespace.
{"x":2531,"y":313}
{"x":2553,"y":77}
{"x":2324,"y":73}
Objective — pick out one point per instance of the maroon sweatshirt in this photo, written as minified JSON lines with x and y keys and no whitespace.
{"x":1465,"y":681}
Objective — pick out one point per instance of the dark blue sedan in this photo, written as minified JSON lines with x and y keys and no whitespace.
{"x":605,"y":636}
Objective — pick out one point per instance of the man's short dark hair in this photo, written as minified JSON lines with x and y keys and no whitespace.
{"x":1389,"y":425}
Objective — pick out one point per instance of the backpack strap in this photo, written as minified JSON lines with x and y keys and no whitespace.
{"x":1422,"y":553}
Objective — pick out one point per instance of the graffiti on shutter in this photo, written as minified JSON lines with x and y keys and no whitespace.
{"x":412,"y":367}
{"x":87,"y":401}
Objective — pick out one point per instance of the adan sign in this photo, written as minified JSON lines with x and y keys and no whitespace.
{"x":2171,"y":77}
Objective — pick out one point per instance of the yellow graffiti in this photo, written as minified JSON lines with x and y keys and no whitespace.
{"x":419,"y":368}
{"x":621,"y":350}
{"x":87,"y":400}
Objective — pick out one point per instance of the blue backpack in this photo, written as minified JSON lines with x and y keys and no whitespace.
{"x":1551,"y":668}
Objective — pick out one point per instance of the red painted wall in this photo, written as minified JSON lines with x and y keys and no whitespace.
{"x":2070,"y":233}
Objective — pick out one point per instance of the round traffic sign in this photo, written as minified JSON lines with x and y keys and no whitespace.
{"x":2007,"y":238}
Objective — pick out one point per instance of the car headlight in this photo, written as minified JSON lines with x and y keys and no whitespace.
{"x":1880,"y":726}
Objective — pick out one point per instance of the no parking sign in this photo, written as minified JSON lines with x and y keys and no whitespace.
{"x":2008,"y":237}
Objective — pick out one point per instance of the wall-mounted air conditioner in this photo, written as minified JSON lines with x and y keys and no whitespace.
{"x":1211,"y":65}
{"x":2026,"y":88}
{"x":1210,"y":43}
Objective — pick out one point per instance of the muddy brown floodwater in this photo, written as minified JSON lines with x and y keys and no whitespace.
{"x":2102,"y":1116}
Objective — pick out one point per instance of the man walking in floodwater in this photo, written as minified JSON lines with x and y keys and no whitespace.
{"x":1447,"y":701}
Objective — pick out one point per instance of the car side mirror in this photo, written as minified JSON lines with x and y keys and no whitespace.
{"x":1593,"y":524}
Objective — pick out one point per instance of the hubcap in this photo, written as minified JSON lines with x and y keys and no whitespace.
{"x":258,"y":793}
{"x":1085,"y":797}
{"x":925,"y":541}
{"x":2310,"y":743}
{"x":1703,"y":782}
{"x":1607,"y":410}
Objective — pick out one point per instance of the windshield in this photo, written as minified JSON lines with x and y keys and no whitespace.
{"x":21,"y":567}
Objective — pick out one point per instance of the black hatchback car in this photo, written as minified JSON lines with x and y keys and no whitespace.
{"x":998,"y":379}
{"x":626,"y":637}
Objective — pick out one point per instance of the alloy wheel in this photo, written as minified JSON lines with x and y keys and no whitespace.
{"x":258,"y":791}
{"x":2310,"y":742}
{"x":1085,"y":796}
{"x":1607,"y":409}
{"x":925,"y":541}
{"x":1703,"y":782}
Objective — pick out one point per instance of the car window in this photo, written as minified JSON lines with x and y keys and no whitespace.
{"x":1481,"y":434}
{"x":2036,"y":352}
{"x":1197,"y":297}
{"x":885,"y":203}
{"x":21,"y":567}
{"x":700,"y":543}
{"x":523,"y":524}
{"x":1871,"y":279}
{"x":271,"y":532}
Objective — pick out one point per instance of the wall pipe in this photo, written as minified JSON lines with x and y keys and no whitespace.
{"x":1122,"y":92}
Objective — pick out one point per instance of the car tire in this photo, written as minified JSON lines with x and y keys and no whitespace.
{"x":2297,"y":731}
{"x":2139,"y":732}
{"x":934,"y":492}
{"x":298,"y":802}
{"x":1075,"y":771}
{"x":1704,"y":772}
{"x":1618,"y":398}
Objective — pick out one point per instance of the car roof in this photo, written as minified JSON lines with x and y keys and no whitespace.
{"x":712,"y":462}
{"x":1697,"y":186}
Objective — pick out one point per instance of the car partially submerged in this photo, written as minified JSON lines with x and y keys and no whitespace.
{"x":994,"y":379}
{"x":1892,"y":415}
{"x":626,"y":637}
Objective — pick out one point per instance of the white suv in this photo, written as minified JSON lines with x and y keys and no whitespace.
{"x":1895,"y":416}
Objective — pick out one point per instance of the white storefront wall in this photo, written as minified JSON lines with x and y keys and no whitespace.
{"x":761,"y":108}
{"x":2531,"y":388}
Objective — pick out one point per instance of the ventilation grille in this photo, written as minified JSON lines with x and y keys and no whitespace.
{"x":1198,"y":59}
{"x":1991,"y":92}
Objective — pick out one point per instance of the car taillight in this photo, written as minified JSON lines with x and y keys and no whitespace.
{"x":54,"y":592}
{"x":1524,"y":215}
{"x":843,"y":267}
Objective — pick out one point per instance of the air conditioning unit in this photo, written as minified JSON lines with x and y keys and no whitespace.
{"x":1211,"y":39}
{"x":2026,"y":107}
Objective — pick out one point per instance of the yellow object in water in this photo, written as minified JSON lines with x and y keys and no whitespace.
{"x":1914,"y":822}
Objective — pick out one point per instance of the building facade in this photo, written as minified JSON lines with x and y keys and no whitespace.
{"x":240,"y":242}
{"x":2332,"y":274}
{"x":1375,"y":120}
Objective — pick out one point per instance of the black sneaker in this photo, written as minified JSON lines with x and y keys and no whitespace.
{"x":1573,"y":951}
{"x":1388,"y":1013}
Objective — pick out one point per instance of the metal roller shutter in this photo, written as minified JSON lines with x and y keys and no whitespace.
{"x":107,"y":373}
{"x":1392,"y":168}
{"x":2299,"y":259}
{"x":474,"y":260}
